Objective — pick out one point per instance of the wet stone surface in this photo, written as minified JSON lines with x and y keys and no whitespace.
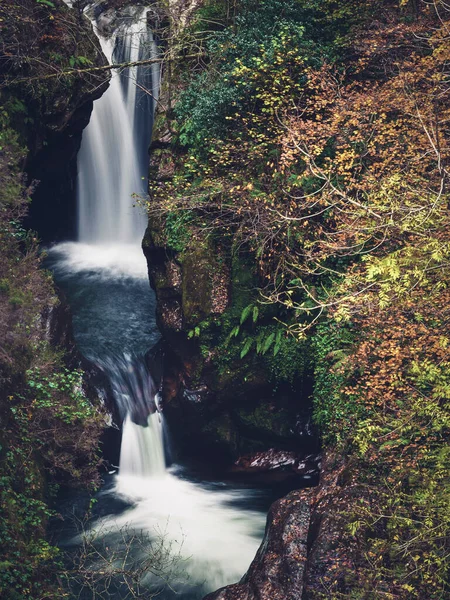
{"x":277,"y":572}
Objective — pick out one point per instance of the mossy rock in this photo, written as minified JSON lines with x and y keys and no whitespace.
{"x":244,"y":280}
{"x":205,"y":282}
{"x":222,"y":432}
{"x":266,"y":421}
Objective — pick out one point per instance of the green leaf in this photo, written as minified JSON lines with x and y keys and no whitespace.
{"x":246,"y":347}
{"x":259,"y":343}
{"x":267,"y":343}
{"x":255,"y":314}
{"x":234,"y":333}
{"x":245,"y":313}
{"x":46,"y":3}
{"x":278,"y":340}
{"x":82,"y":60}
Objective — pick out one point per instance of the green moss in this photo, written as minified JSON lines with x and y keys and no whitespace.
{"x":177,"y":231}
{"x":331,"y":345}
{"x":155,"y":235}
{"x":244,"y":281}
{"x":266,"y":421}
{"x":222,"y":430}
{"x":294,"y":359}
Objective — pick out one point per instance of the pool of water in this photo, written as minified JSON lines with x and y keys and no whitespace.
{"x":154,"y":529}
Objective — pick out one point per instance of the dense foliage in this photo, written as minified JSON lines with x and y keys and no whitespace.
{"x":314,"y":138}
{"x":49,"y":430}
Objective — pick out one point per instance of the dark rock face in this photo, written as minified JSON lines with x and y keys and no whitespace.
{"x":57,"y":321}
{"x":277,"y":572}
{"x":190,"y":285}
{"x":334,"y":557}
{"x":308,"y":548}
{"x":54,"y":167}
{"x":227,"y":423}
{"x":41,"y":46}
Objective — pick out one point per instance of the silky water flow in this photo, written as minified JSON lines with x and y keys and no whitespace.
{"x":211,"y":528}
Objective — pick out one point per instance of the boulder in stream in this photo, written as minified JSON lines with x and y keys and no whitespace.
{"x":277,"y":571}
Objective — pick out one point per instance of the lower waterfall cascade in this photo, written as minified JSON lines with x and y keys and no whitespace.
{"x":213,"y":527}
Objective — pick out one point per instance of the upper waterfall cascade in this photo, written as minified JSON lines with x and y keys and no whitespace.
{"x":112,"y":161}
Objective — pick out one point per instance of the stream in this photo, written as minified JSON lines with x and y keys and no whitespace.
{"x":183,"y":533}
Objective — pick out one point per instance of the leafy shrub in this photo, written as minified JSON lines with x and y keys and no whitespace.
{"x":219,"y":92}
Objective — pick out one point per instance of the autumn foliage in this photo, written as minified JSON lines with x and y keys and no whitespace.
{"x":326,"y":159}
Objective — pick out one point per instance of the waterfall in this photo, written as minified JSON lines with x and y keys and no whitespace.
{"x":142,"y":452}
{"x":113,"y":159}
{"x":112,"y":167}
{"x":105,"y":277}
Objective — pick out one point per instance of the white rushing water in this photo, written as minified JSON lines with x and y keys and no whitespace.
{"x":142,"y":451}
{"x":100,"y":261}
{"x":111,"y":168}
{"x":209,"y":529}
{"x":215,"y":540}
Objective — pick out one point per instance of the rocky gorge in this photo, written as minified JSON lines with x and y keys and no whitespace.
{"x":300,"y":351}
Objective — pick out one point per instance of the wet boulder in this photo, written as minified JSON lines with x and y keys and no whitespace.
{"x":273,"y":459}
{"x":277,"y":572}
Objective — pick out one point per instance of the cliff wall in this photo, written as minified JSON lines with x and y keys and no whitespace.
{"x":50,"y":418}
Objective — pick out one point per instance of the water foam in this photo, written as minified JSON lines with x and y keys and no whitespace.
{"x":216,"y":540}
{"x":105,"y":261}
